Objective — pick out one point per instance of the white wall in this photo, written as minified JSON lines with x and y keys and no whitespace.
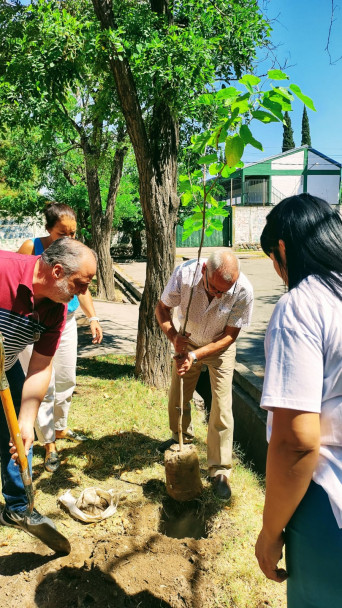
{"x":288,"y":185}
{"x":290,"y":161}
{"x":325,"y":186}
{"x":12,"y":234}
{"x":248,"y":223}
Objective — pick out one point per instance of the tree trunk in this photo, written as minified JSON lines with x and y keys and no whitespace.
{"x":102,"y":222}
{"x":136,"y":244}
{"x":156,"y":157}
{"x":159,"y":201}
{"x":101,"y":233}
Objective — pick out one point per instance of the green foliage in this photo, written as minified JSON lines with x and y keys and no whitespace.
{"x":128,"y":215}
{"x":306,"y":137}
{"x":288,"y":141}
{"x":231,"y":134}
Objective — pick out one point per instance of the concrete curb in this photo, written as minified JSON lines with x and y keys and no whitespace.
{"x":249,"y":418}
{"x":129,"y":284}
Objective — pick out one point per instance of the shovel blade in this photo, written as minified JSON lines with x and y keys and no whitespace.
{"x":49,"y":535}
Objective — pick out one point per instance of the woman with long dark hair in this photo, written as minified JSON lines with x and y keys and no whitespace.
{"x":303,"y":395}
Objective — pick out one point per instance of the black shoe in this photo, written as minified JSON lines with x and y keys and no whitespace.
{"x":51,"y":462}
{"x":165,"y":445}
{"x":221,"y":487}
{"x":21,"y":519}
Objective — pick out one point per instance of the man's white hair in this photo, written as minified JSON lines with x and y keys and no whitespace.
{"x":226,"y":263}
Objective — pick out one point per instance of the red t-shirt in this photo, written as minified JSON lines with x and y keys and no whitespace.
{"x":22,"y":322}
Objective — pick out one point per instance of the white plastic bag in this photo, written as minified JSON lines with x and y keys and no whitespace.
{"x":93,"y":504}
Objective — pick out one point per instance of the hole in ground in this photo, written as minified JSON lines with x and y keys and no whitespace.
{"x":183,"y":519}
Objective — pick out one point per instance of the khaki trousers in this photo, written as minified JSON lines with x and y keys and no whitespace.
{"x":221,"y":423}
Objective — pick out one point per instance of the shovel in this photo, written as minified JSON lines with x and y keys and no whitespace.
{"x":46,"y":531}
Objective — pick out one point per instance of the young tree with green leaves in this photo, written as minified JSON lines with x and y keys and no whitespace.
{"x":231,"y":133}
{"x":288,"y":141}
{"x":306,"y":137}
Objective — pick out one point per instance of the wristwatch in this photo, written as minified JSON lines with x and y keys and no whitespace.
{"x":193,"y":355}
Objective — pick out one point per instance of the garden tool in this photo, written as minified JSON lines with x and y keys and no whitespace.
{"x":45,"y":530}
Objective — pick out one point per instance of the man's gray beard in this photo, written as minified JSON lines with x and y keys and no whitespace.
{"x":63,"y":291}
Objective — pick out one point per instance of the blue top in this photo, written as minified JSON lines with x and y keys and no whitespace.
{"x":38,"y":250}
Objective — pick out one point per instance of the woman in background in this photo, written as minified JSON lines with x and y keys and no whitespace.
{"x":303,"y":395}
{"x":52,"y":419}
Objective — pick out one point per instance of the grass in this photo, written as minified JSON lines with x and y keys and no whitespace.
{"x":125,"y":420}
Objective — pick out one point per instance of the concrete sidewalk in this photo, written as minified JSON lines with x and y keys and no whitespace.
{"x":120,"y":321}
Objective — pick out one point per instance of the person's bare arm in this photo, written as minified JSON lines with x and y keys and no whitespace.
{"x":27,"y":247}
{"x":34,"y":390}
{"x":87,"y":305}
{"x":163,"y":314}
{"x":291,"y":460}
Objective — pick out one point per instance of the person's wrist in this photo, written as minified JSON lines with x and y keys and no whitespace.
{"x":193,"y":356}
{"x":91,"y":319}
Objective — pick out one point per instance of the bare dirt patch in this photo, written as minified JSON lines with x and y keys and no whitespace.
{"x":137,"y":566}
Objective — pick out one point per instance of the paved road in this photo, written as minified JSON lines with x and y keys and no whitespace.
{"x":120,"y":321}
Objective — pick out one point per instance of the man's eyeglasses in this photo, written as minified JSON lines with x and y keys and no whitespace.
{"x":34,"y":317}
{"x":210,"y":287}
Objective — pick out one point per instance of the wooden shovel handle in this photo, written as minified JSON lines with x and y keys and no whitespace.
{"x":13,"y":427}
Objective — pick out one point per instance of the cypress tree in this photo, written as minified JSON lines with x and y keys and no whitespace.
{"x":306,"y":138}
{"x":288,"y":141}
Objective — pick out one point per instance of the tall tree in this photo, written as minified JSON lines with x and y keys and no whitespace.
{"x":288,"y":141}
{"x":51,"y":72}
{"x":306,"y":137}
{"x":162,"y":55}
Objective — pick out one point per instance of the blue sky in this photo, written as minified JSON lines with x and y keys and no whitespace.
{"x":301,"y":33}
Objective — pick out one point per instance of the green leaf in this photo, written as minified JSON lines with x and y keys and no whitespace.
{"x":215,"y":168}
{"x":249,"y":80}
{"x":227,"y":171}
{"x":199,"y":142}
{"x":185,"y":186}
{"x":274,"y":107}
{"x":186,"y":198}
{"x":242,"y":105}
{"x":197,"y":173}
{"x":206,"y":160}
{"x":283,"y":102}
{"x":264,"y":117}
{"x":304,"y":98}
{"x":207,"y":99}
{"x":209,"y":230}
{"x":284,"y":92}
{"x":277,"y":75}
{"x":212,"y":201}
{"x":228,"y":93}
{"x":217,"y":224}
{"x":248,"y":138}
{"x":234,"y":149}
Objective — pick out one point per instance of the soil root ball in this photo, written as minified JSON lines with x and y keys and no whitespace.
{"x":183,"y":481}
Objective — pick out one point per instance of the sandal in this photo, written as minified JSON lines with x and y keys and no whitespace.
{"x":52,"y":462}
{"x":72,"y":436}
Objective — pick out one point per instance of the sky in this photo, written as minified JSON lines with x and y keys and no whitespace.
{"x":300,"y":32}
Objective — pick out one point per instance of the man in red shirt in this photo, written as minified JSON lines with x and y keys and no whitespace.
{"x":34,"y":291}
